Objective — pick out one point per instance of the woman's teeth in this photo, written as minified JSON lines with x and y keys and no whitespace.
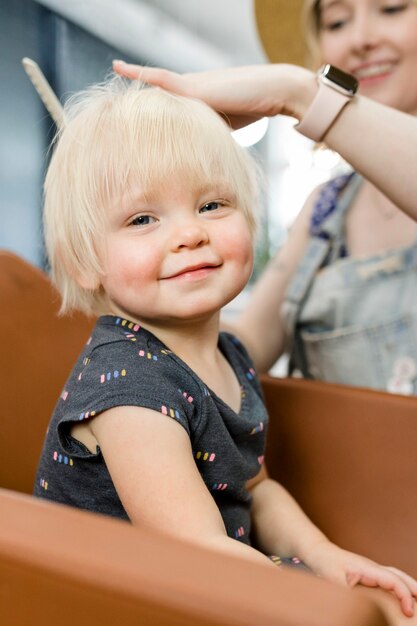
{"x":373,"y":70}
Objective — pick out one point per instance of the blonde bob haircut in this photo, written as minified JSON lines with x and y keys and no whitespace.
{"x":116,"y":134}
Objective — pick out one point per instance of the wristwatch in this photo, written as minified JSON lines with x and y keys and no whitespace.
{"x":336,"y":89}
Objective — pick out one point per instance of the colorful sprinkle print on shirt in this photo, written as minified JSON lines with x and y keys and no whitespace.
{"x":123,"y":364}
{"x":239,"y":532}
{"x":220,"y":487}
{"x":205,"y":456}
{"x":127,"y":324}
{"x":257,"y":429}
{"x":148,"y":355}
{"x":110,"y":375}
{"x":250,"y":375}
{"x":291,"y":562}
{"x":86,"y":414}
{"x":186,"y":396}
{"x":62,"y":458}
{"x":171,"y":412}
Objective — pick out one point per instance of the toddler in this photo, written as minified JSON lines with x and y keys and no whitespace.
{"x":149,"y":224}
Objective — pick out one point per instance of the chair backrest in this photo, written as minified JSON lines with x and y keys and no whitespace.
{"x":64,"y":566}
{"x":37,"y":350}
{"x":349,"y":457}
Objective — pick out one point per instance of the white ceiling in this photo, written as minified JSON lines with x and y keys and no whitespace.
{"x":185,"y":35}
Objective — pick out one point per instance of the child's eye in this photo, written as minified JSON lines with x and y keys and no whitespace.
{"x":142,"y":220}
{"x":211,"y":206}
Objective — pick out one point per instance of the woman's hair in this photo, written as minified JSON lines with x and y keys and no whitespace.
{"x":117,"y":134}
{"x":311,"y":23}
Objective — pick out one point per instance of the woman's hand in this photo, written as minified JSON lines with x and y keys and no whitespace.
{"x":332,"y":563}
{"x":241,"y":94}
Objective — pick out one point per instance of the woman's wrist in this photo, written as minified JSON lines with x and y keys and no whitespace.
{"x":302,"y":91}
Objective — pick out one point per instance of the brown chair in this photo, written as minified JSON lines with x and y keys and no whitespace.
{"x":349,"y":457}
{"x":37,"y":351}
{"x":62,"y":565}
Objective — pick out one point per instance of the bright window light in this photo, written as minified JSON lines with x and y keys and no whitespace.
{"x":249,"y":135}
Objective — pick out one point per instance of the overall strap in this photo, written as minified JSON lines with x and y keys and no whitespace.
{"x":333,"y":228}
{"x":314,"y":257}
{"x":323,"y":246}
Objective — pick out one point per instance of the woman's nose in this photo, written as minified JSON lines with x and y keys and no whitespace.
{"x":366,"y":33}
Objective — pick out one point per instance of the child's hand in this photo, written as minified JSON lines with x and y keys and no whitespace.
{"x":334,"y":564}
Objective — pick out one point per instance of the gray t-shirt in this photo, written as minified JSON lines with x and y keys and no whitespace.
{"x":124,"y":364}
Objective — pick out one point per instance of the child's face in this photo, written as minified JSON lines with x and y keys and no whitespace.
{"x":178,"y":254}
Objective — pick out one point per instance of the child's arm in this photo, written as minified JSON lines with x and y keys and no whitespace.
{"x":281,"y":527}
{"x":150,"y":461}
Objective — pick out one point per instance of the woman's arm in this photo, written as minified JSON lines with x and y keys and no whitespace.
{"x":380,"y":143}
{"x":373,"y":138}
{"x":263,"y":310}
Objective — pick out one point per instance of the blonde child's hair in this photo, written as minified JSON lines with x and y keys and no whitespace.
{"x":115,"y":134}
{"x":311,"y":24}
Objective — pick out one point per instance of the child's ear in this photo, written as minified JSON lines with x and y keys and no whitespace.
{"x":89,"y":281}
{"x":85,"y":278}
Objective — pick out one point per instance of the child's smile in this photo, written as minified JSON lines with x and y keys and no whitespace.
{"x":176,"y":255}
{"x":196,"y":272}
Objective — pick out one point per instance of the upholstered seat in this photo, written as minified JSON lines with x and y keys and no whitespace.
{"x":346,"y":454}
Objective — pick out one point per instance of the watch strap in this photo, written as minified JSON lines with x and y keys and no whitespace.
{"x":322,"y":112}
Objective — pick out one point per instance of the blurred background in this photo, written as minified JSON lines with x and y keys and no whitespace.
{"x":74,"y":43}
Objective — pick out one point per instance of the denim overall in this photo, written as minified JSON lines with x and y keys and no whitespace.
{"x":352,"y":320}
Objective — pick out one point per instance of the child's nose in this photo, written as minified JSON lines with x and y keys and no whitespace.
{"x":189,"y":234}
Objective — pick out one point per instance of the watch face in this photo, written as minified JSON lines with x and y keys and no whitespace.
{"x":345,"y":81}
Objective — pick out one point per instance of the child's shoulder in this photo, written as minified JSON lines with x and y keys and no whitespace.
{"x":118,"y":337}
{"x":127,"y":348}
{"x":124,"y":364}
{"x":118,"y":341}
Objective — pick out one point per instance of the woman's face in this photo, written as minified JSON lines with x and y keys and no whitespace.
{"x":376,"y":40}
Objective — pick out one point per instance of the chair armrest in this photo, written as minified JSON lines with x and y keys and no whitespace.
{"x":66,"y":566}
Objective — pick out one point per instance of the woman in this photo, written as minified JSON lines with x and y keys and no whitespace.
{"x":345,"y":281}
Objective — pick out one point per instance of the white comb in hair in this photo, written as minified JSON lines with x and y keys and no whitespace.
{"x":44,"y":90}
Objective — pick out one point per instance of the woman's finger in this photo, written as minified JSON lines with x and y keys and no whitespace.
{"x":126,"y":69}
{"x":152,"y":75}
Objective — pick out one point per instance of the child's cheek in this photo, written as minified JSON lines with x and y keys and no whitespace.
{"x":131,"y":266}
{"x":240,"y":248}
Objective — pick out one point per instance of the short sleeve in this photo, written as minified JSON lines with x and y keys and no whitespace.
{"x":121,"y":373}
